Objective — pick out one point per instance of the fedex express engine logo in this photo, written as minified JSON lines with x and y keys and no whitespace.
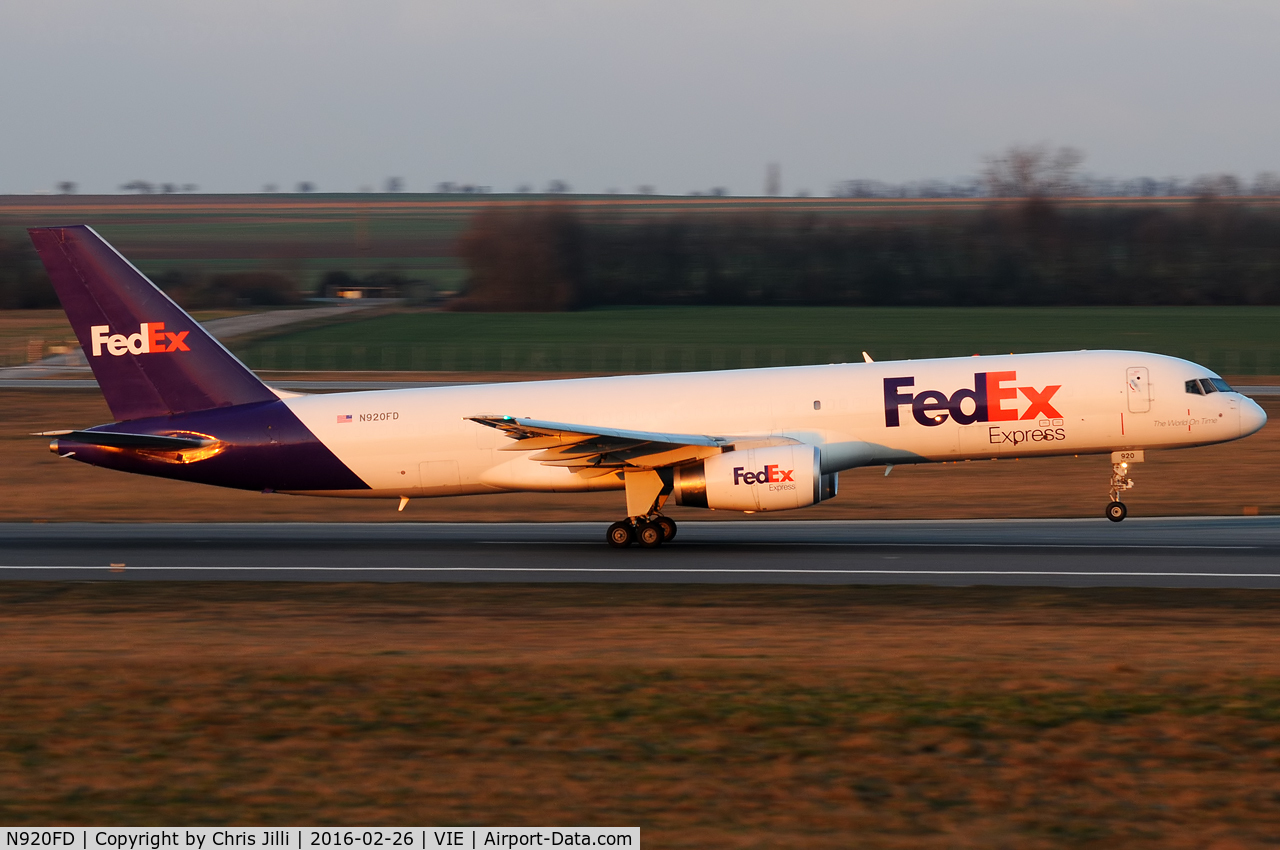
{"x":772,"y":474}
{"x":991,"y":402}
{"x":151,"y":338}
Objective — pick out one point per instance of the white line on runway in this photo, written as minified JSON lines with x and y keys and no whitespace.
{"x":868,"y":544}
{"x":779,"y":571}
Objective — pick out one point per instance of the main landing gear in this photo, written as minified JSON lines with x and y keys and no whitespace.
{"x":649,"y":531}
{"x":1120,"y":481}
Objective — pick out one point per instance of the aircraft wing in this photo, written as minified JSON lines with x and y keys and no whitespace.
{"x":592,"y":452}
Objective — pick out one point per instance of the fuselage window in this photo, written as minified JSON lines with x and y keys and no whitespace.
{"x":1208,"y":386}
{"x":1223,"y":386}
{"x":1193,"y":387}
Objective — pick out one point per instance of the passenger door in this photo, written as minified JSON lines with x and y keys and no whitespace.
{"x":1138,"y":389}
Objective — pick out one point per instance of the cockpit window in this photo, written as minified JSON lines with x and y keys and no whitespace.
{"x":1193,"y":387}
{"x":1223,"y":386}
{"x":1207,"y":383}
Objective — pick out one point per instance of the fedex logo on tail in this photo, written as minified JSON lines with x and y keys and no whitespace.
{"x":992,"y":401}
{"x":151,"y":338}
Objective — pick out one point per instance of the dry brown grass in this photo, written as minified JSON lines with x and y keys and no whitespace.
{"x":1224,"y":479}
{"x":725,"y":717}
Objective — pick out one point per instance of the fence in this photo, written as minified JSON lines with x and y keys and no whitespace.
{"x":621,"y":359}
{"x":604,"y":359}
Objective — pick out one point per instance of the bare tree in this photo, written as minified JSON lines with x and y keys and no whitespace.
{"x":306,"y":186}
{"x":66,"y":187}
{"x":1032,"y":171}
{"x":861,"y":189}
{"x":142,"y":187}
{"x":1267,"y":183}
{"x":1216,"y":186}
{"x":395,"y":184}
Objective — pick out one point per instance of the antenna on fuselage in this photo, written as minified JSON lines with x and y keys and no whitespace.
{"x":866,"y":358}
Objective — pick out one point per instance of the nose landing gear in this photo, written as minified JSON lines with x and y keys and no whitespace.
{"x":1120,"y":481}
{"x":649,"y":531}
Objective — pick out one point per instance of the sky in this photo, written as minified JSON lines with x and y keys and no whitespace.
{"x":615,"y":94}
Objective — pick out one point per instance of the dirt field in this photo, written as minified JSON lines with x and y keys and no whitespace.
{"x":1230,"y":479}
{"x":711,"y":717}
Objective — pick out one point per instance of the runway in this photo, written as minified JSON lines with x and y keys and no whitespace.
{"x":1242,"y":552}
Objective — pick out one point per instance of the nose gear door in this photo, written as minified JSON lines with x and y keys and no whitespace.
{"x":1138,"y":389}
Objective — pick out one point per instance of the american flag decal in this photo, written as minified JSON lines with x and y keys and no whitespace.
{"x":344,"y":417}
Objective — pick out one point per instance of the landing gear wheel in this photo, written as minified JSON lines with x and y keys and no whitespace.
{"x":1116,"y":511}
{"x":668,"y":528}
{"x":621,"y":535}
{"x":649,"y":535}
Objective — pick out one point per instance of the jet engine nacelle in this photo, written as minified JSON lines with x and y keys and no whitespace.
{"x":777,"y":478}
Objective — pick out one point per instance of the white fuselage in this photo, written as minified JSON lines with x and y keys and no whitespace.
{"x":419,"y":442}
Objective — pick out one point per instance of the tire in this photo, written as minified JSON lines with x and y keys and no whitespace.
{"x":649,"y":535}
{"x":620,"y":535}
{"x":1116,"y":511}
{"x":668,"y":528}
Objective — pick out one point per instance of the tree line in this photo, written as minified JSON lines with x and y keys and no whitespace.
{"x":24,"y":285}
{"x":1038,"y":252}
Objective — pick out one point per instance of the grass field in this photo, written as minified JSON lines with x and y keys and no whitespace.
{"x":731,"y":717}
{"x":1232,"y":340}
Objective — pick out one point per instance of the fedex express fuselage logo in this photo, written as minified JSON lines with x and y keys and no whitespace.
{"x":994,"y":397}
{"x":151,"y":338}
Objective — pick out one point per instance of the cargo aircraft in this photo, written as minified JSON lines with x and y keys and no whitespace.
{"x":745,"y":440}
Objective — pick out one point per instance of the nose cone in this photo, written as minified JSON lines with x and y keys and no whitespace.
{"x":1252,"y":417}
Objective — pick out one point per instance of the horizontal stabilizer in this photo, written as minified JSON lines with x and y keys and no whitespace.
{"x":117,"y":440}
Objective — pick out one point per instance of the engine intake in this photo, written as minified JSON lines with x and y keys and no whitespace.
{"x":777,"y":478}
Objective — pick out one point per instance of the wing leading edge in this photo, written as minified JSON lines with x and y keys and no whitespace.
{"x":592,"y":452}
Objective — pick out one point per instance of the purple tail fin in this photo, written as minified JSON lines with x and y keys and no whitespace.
{"x":149,"y":356}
